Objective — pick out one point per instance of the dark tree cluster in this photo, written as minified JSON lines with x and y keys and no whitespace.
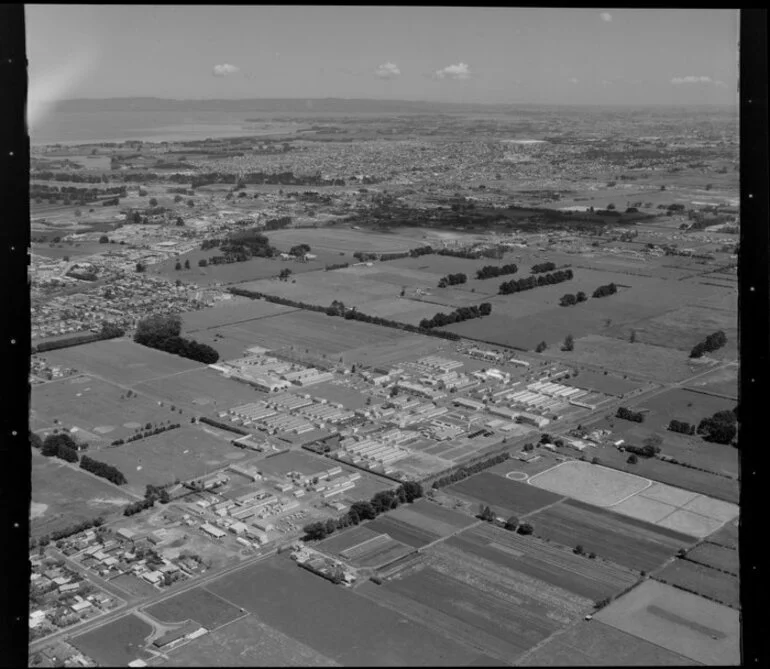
{"x":543,"y":267}
{"x":381,"y":502}
{"x":721,"y":428}
{"x":452,"y":280}
{"x":456,"y":316}
{"x":108,"y":331}
{"x":60,"y":446}
{"x":333,"y":266}
{"x":569,"y":299}
{"x":71,"y":177}
{"x":103,"y":470}
{"x":646,"y":451}
{"x":299,"y":249}
{"x":681,"y":427}
{"x":627,"y":414}
{"x":146,"y":433}
{"x":223,"y":426}
{"x":603,"y":291}
{"x":69,"y":531}
{"x":492,"y":271}
{"x":470,"y":470}
{"x":162,"y":333}
{"x":711,"y":343}
{"x":530,"y":282}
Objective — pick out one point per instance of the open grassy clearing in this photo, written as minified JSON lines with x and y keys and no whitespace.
{"x":246,"y":643}
{"x":589,"y":483}
{"x":594,"y":644}
{"x":639,"y":360}
{"x":185,"y":453}
{"x":226,"y":314}
{"x":199,"y":605}
{"x":350,"y":398}
{"x":343,"y":239}
{"x":408,"y":347}
{"x":428,"y":516}
{"x":346,"y":540}
{"x":329,"y":618}
{"x":505,"y":496}
{"x":199,"y":390}
{"x":702,"y":580}
{"x":378,"y":553}
{"x":72,"y":251}
{"x":558,"y":566}
{"x":684,"y":405}
{"x":134,"y":586}
{"x":626,"y":541}
{"x":121,"y":361}
{"x":93,"y":406}
{"x":726,"y":489}
{"x":117,"y":643}
{"x":678,"y":621}
{"x":63,"y":495}
{"x":295,"y":461}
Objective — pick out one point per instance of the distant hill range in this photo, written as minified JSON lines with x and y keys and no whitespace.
{"x":288,"y":105}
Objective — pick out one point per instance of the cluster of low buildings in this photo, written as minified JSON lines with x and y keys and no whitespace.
{"x":61,"y":597}
{"x":269,"y":374}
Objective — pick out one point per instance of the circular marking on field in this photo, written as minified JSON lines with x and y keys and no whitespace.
{"x":517,"y":476}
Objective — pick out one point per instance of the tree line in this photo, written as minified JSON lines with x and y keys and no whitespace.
{"x":470,"y":470}
{"x":711,"y":343}
{"x":223,"y":426}
{"x":681,"y":427}
{"x":542,"y":267}
{"x":492,"y":271}
{"x":147,"y":433}
{"x":152,"y":494}
{"x":568,"y":300}
{"x":512,"y":524}
{"x":381,"y":502}
{"x":67,"y":532}
{"x":452,"y":280}
{"x":457,"y":316}
{"x":103,"y":470}
{"x":530,"y":282}
{"x":108,"y":331}
{"x":161,"y":332}
{"x":348,"y":314}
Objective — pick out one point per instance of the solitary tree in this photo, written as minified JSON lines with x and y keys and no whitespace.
{"x":541,"y":347}
{"x":178,"y":266}
{"x":140,"y":267}
{"x":569,"y":343}
{"x":187,"y":264}
{"x":632,"y":336}
{"x":512,"y":523}
{"x":153,"y":202}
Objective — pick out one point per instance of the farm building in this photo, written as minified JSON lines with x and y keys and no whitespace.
{"x":212,"y":531}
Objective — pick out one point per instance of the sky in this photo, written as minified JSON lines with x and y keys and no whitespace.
{"x":451,"y":54}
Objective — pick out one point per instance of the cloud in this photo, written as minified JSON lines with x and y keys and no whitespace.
{"x":573,"y":80}
{"x":606,"y":16}
{"x":459,"y":71}
{"x":387,"y":71}
{"x":225,"y":70}
{"x":678,"y":81}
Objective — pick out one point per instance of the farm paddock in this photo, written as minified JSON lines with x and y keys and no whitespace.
{"x":63,"y":495}
{"x":329,"y":618}
{"x":629,"y":542}
{"x":247,"y":642}
{"x":117,"y":643}
{"x":505,"y":495}
{"x":716,"y":556}
{"x":594,"y":644}
{"x":199,"y":605}
{"x":701,"y":580}
{"x":121,"y":361}
{"x":681,"y":622}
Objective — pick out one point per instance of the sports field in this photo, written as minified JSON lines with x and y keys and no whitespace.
{"x":678,"y":621}
{"x":116,"y":644}
{"x":199,"y":605}
{"x":184,"y":453}
{"x":63,"y":495}
{"x":555,"y":565}
{"x":200,"y":390}
{"x":594,"y":644}
{"x":330,"y":619}
{"x":701,"y":580}
{"x":246,"y":643}
{"x":121,"y":361}
{"x":99,"y":409}
{"x":502,"y":494}
{"x":589,"y":483}
{"x":626,"y":541}
{"x":343,"y":239}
